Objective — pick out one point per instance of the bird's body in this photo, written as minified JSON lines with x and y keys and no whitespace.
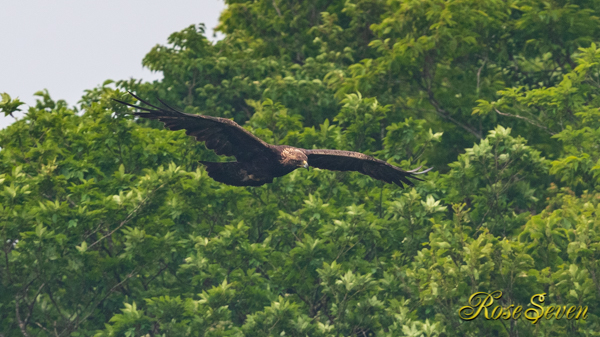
{"x":258,"y":162}
{"x":277,"y":161}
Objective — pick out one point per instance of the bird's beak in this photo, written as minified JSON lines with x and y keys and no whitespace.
{"x":305,"y":164}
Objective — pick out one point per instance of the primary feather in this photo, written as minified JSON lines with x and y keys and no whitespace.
{"x":221,"y":135}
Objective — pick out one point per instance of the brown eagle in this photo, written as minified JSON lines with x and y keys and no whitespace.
{"x":258,"y":162}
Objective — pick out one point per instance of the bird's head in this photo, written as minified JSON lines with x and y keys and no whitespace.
{"x":295,"y":157}
{"x":302,"y":161}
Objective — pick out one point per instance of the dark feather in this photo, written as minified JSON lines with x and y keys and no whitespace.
{"x":222,"y":135}
{"x":337,"y":160}
{"x":258,"y":162}
{"x":233,"y":173}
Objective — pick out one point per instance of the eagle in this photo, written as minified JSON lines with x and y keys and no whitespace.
{"x":259,"y":162}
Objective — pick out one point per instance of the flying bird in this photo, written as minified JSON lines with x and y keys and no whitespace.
{"x":259,"y":162}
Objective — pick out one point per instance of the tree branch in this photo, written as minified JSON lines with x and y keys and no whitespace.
{"x":130,"y":275}
{"x":446,"y":115}
{"x":277,"y":8}
{"x":129,"y":216}
{"x":428,"y":77}
{"x":525,"y":119}
{"x":22,"y":325}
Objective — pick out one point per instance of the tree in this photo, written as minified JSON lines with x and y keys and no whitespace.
{"x":110,"y":227}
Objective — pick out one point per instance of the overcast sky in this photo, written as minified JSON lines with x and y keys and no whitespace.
{"x":67,"y":46}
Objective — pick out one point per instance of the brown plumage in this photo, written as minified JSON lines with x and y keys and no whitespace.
{"x":258,"y":162}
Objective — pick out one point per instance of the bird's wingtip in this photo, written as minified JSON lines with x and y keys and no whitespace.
{"x":416,"y":171}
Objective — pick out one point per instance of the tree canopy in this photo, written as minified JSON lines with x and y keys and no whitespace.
{"x":109,"y":226}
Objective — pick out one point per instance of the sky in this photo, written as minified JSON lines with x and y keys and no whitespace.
{"x":67,"y":46}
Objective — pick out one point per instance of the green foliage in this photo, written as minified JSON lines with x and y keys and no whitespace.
{"x":8,"y":105}
{"x":495,"y":179}
{"x":110,"y":227}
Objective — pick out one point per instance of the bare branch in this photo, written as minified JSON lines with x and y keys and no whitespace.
{"x":130,"y":275}
{"x":277,"y":8}
{"x":428,"y":76}
{"x":94,"y":231}
{"x":446,"y":115}
{"x":157,"y":274}
{"x":22,"y":325}
{"x":525,"y":119}
{"x":41,"y":326}
{"x":30,"y":307}
{"x":129,"y":216}
{"x":479,"y":74}
{"x":49,"y":292}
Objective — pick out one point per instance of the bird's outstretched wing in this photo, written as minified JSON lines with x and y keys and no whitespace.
{"x":221,"y":135}
{"x":354,"y":161}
